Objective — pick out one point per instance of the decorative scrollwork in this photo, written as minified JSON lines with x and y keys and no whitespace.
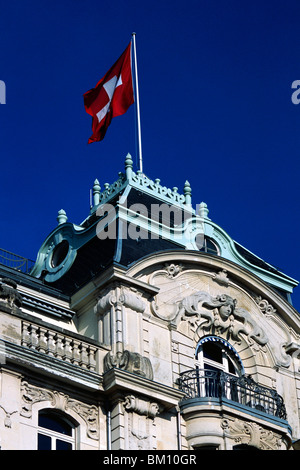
{"x":265,"y":306}
{"x":142,"y":407}
{"x":252,"y":434}
{"x":89,"y":413}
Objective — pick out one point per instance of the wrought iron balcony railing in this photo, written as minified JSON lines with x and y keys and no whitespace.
{"x":14,"y":261}
{"x":244,"y":390}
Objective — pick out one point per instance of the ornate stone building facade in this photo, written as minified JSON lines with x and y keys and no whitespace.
{"x":147,"y":327}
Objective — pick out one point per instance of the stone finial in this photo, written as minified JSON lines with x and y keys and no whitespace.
{"x":188,"y":193}
{"x":128,"y":166}
{"x":203,"y":210}
{"x":96,"y":192}
{"x":62,"y":217}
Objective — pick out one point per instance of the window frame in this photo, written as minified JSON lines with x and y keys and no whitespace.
{"x":207,"y":249}
{"x":55,"y":435}
{"x":228,"y":354}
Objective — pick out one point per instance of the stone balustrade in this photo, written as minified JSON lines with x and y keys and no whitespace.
{"x":61,"y":346}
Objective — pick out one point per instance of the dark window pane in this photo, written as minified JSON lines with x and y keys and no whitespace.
{"x":210,"y":367}
{"x":212,"y":351}
{"x":211,"y":247}
{"x":212,"y":447}
{"x":44,"y":442}
{"x":59,"y":253}
{"x":244,"y":447}
{"x":61,"y":445}
{"x":231,"y":367}
{"x":206,"y":245}
{"x":55,"y":423}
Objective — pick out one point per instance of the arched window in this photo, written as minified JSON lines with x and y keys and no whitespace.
{"x":55,"y":432}
{"x":214,"y":353}
{"x":216,"y":358}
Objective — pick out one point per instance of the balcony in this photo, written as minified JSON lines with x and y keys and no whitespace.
{"x":220,"y":386}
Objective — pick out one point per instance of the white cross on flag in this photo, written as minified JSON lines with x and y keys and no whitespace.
{"x":111,"y":97}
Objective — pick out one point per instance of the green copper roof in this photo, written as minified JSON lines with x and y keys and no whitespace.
{"x":129,"y":203}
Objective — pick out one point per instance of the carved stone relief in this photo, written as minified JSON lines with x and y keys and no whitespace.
{"x":9,"y":295}
{"x":122,"y":297}
{"x":199,"y":303}
{"x":141,"y":406}
{"x":286,"y":349}
{"x":89,"y":413}
{"x":207,"y":313}
{"x":7,"y":419}
{"x":130,"y":361}
{"x":173,"y":269}
{"x":220,"y":314}
{"x":221,"y":278}
{"x":140,"y":414}
{"x":251,"y":434}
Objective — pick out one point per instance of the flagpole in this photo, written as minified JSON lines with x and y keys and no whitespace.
{"x":137,"y":106}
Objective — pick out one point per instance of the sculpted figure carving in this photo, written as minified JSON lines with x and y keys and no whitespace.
{"x":221,"y":314}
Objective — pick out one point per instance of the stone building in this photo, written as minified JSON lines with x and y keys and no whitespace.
{"x":147,"y":327}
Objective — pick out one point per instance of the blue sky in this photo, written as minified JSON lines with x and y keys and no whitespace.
{"x":215,"y":94}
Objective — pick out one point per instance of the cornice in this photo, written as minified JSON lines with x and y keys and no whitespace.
{"x":32,"y":360}
{"x":118,"y":380}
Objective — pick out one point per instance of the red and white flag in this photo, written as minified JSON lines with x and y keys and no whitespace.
{"x":111,"y":97}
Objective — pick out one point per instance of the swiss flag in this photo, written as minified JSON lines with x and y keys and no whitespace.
{"x":111,"y":97}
